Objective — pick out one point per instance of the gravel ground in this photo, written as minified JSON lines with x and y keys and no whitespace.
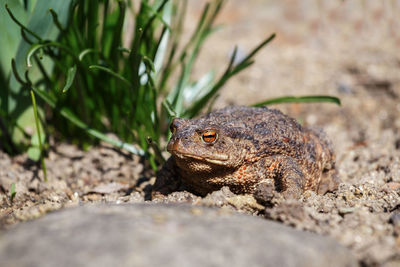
{"x":344,"y":48}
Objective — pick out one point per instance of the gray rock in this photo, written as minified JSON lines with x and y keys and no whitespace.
{"x":163,"y":235}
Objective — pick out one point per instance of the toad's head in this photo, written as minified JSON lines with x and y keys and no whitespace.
{"x":202,"y":145}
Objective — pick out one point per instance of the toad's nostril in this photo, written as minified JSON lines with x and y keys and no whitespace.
{"x":173,"y":145}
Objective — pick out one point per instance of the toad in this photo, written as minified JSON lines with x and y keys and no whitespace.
{"x":251,"y":150}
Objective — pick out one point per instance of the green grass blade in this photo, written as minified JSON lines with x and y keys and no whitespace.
{"x":240,"y":67}
{"x":161,"y":50}
{"x":168,"y":107}
{"x":92,"y":13}
{"x":56,"y":21}
{"x":156,"y":148}
{"x":117,"y":33}
{"x":70,"y":78}
{"x":22,"y":25}
{"x":35,"y":112}
{"x":255,"y":50}
{"x":197,"y":31}
{"x":36,"y":47}
{"x":177,"y":18}
{"x":164,"y":39}
{"x":15,"y":72}
{"x":232,"y":60}
{"x":149,"y":22}
{"x":12,"y":192}
{"x":156,"y":13}
{"x":86,"y":52}
{"x":300,"y":99}
{"x":199,"y":104}
{"x":200,"y":88}
{"x":116,"y":75}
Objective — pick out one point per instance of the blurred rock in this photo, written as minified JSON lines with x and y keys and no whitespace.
{"x":163,"y":235}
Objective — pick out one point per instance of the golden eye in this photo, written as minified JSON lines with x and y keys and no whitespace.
{"x":209,"y":136}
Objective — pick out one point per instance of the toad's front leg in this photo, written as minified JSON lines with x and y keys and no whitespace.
{"x":282,"y":174}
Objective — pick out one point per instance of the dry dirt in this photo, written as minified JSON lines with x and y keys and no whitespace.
{"x":347,"y":49}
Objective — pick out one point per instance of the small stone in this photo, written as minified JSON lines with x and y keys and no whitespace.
{"x":307,"y":194}
{"x":358,"y":192}
{"x":135,"y":197}
{"x":391,"y":186}
{"x":219,"y":197}
{"x":93,"y":197}
{"x":395,"y":219}
{"x":346,"y":210}
{"x":109,"y":188}
{"x":196,"y":211}
{"x":245,"y":202}
{"x":348,"y":196}
{"x":265,"y":192}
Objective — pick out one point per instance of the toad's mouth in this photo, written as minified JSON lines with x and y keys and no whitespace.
{"x":218,"y":159}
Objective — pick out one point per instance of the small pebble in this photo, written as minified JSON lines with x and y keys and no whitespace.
{"x":395,"y":218}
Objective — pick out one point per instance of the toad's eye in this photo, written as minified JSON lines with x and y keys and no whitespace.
{"x":209,"y":136}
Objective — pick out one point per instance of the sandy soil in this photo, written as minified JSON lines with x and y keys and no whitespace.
{"x":344,"y":48}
